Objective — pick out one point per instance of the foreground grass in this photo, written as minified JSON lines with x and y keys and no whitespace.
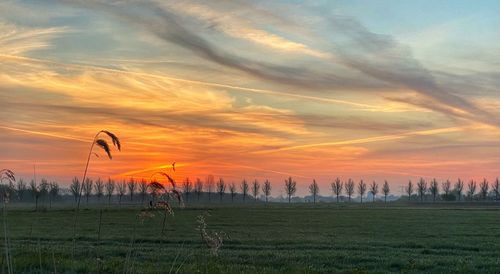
{"x":273,"y":238}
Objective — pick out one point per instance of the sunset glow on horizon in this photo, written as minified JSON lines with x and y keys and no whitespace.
{"x":252,"y":89}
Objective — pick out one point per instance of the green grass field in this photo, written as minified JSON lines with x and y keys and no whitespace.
{"x":277,"y":238}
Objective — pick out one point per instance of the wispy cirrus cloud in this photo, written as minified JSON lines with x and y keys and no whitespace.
{"x":18,"y":40}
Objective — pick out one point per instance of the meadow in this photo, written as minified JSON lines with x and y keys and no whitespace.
{"x":261,"y":238}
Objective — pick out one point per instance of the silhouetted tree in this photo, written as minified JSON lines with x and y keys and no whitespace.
{"x":87,"y":188}
{"x":471,"y":189}
{"x":53,"y":192}
{"x":434,"y":189}
{"x":187,"y":187}
{"x":290,"y":188}
{"x":314,"y":190}
{"x":496,"y":188}
{"x":421,"y":188}
{"x":110,"y":188}
{"x":446,"y":186}
{"x":198,"y":188}
{"x":221,"y":188}
{"x":75,"y":188}
{"x":349,"y":188}
{"x":122,"y":189}
{"x":374,"y":189}
{"x":132,"y":186}
{"x":255,"y":189}
{"x":232,"y":190}
{"x":20,"y":189}
{"x":99,"y":189}
{"x":361,"y":189}
{"x":35,"y":192}
{"x":44,"y":188}
{"x":143,"y":190}
{"x":386,"y":190}
{"x":11,"y":188}
{"x":266,"y":189}
{"x":484,"y":186}
{"x":409,"y":189}
{"x":459,"y":187}
{"x":244,"y":189}
{"x":209,"y":185}
{"x":337,"y":188}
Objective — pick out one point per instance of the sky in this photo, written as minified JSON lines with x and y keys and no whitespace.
{"x":374,"y":90}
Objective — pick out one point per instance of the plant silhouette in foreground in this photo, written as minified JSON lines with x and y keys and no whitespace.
{"x":165,"y":192}
{"x":213,"y":239}
{"x":6,"y":175}
{"x":103,"y":144}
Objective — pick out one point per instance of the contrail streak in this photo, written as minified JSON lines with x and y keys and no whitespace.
{"x":382,"y":138}
{"x":44,"y":134}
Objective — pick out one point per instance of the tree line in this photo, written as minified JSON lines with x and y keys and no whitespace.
{"x":210,"y":189}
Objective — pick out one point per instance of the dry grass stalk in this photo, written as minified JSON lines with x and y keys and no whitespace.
{"x":7,"y":175}
{"x":214,"y":240}
{"x":103,"y":144}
